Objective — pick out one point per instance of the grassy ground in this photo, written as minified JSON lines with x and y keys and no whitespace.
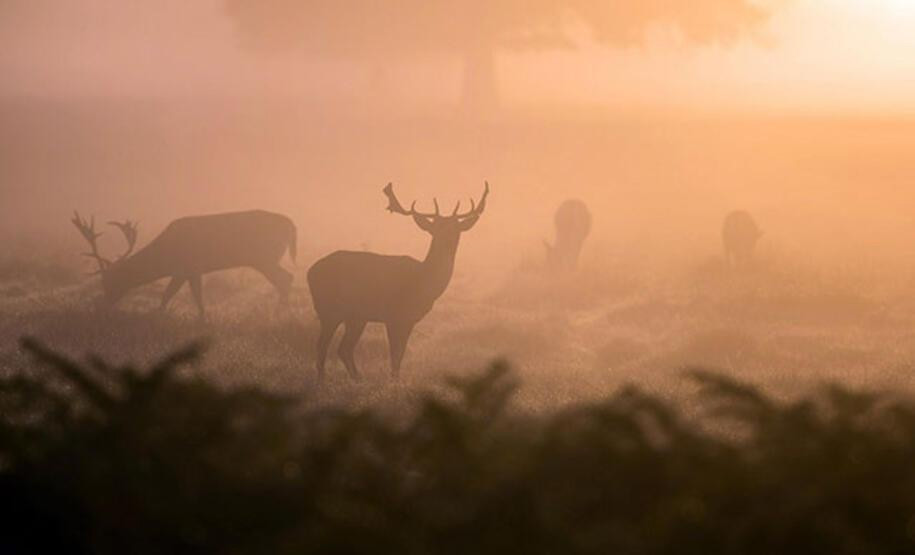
{"x":570,"y":339}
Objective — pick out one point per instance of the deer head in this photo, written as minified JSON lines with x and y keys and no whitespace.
{"x":439,"y":226}
{"x":86,"y":228}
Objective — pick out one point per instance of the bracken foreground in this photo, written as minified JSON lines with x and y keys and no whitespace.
{"x":104,"y":459}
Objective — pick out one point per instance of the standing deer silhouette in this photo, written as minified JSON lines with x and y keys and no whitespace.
{"x":193,"y":246}
{"x":359,"y":287}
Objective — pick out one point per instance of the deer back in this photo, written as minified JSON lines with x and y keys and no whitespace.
{"x":371,"y":287}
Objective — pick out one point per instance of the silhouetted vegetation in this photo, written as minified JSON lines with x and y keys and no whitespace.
{"x":380,"y":35}
{"x":100,"y":459}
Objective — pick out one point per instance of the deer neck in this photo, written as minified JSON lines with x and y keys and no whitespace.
{"x":438,"y":265}
{"x":136,"y":270}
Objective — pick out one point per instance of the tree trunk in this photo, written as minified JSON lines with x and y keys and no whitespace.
{"x":480,"y":94}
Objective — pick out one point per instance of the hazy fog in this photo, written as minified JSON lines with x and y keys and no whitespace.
{"x":815,"y":55}
{"x":156,"y":110}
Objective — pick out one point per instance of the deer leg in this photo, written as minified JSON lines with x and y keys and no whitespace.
{"x":398,"y":334}
{"x":196,"y":282}
{"x":280,"y":278}
{"x":327,"y":333}
{"x":347,"y":347}
{"x":173,"y":286}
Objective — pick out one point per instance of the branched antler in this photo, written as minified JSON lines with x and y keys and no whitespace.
{"x":475,"y":210}
{"x":130,"y":231}
{"x":87,"y":230}
{"x":395,"y":207}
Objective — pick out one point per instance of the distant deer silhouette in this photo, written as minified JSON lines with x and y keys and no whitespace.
{"x":193,"y":246}
{"x":739,"y":236}
{"x":573,"y":224}
{"x":359,"y":287}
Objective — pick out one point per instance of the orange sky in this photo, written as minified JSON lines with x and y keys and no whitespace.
{"x":819,"y":55}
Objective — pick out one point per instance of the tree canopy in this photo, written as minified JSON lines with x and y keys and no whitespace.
{"x":380,"y":32}
{"x":359,"y":28}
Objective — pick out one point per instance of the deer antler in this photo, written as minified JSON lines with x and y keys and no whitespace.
{"x":395,"y":207}
{"x":475,"y":209}
{"x":87,"y":230}
{"x":130,"y":231}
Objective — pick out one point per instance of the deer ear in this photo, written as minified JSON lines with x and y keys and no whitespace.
{"x":423,"y":222}
{"x":467,"y":223}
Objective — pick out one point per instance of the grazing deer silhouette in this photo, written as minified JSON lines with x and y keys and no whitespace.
{"x":739,"y":234}
{"x":193,"y":246}
{"x":359,"y":287}
{"x":573,"y":225}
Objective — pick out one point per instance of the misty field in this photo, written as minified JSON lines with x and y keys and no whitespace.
{"x":583,"y":412}
{"x":831,"y":296}
{"x":570,"y":338}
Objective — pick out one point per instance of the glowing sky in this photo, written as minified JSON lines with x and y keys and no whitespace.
{"x":821,"y":55}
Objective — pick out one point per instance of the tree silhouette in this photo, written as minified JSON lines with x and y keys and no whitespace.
{"x":377,"y":32}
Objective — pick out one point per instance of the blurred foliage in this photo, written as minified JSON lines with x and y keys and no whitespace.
{"x":103,"y":459}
